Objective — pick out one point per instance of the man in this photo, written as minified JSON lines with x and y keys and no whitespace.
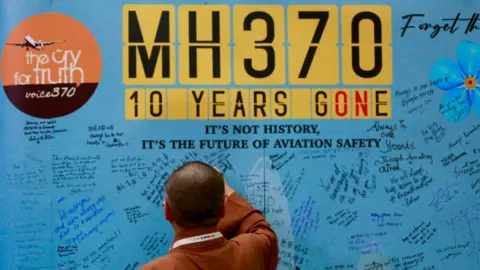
{"x":215,"y":228}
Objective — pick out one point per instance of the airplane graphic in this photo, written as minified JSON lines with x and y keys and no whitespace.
{"x":31,"y":43}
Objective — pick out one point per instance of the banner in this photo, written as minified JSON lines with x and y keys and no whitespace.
{"x":352,"y":126}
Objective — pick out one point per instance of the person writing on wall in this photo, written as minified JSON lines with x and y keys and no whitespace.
{"x":215,"y":228}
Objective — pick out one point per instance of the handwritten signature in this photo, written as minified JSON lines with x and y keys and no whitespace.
{"x":443,"y":195}
{"x":466,"y":221}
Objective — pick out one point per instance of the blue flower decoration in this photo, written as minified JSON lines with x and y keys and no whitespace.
{"x":461,"y":81}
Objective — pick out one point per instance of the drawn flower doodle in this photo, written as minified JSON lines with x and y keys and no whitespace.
{"x":461,"y":81}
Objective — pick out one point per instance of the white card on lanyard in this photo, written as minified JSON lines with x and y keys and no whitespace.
{"x":197,"y":239}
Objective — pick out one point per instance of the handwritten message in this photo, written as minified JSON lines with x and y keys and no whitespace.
{"x":387,"y":219}
{"x":417,"y":99}
{"x":406,"y":187}
{"x":104,"y":253}
{"x":343,"y":218}
{"x":134,"y":214}
{"x":31,"y":244}
{"x":132,"y":169}
{"x":420,"y":234}
{"x":44,"y":130}
{"x":154,"y":244}
{"x":403,"y":262}
{"x":365,"y":243}
{"x":348,"y":184}
{"x":82,"y":219}
{"x":433,"y":133}
{"x":31,"y":173}
{"x":292,"y":183}
{"x":451,"y":252}
{"x":305,"y":219}
{"x":106,"y":136}
{"x":76,"y":173}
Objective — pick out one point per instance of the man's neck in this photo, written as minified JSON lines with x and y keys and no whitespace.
{"x":181,"y":232}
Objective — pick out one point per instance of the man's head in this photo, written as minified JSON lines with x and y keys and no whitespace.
{"x":194,"y":195}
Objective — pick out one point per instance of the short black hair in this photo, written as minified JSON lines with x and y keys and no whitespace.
{"x":195,"y":193}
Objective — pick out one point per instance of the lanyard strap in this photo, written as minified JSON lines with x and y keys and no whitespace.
{"x":197,"y":239}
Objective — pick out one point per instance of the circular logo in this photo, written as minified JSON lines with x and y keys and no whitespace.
{"x":51,"y":65}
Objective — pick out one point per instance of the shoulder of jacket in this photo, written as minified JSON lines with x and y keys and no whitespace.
{"x":166,"y":262}
{"x":250,"y":240}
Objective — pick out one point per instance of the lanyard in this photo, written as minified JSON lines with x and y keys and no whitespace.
{"x":197,"y":239}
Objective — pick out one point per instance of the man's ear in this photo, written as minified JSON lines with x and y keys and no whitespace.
{"x":222,"y":210}
{"x":167,"y":211}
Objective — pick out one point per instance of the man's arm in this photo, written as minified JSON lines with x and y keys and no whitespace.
{"x":240,"y":217}
{"x":145,"y":267}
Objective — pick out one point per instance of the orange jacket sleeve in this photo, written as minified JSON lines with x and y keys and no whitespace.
{"x":240,"y":218}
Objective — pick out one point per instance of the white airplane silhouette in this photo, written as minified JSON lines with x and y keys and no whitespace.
{"x":31,"y":43}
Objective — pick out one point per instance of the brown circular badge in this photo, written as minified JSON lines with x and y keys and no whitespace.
{"x":51,"y":65}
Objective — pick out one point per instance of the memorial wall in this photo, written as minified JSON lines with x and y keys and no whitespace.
{"x":353,"y":125}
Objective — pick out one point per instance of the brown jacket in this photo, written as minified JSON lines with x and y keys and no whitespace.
{"x":248,"y":243}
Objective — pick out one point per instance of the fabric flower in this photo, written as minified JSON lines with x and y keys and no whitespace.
{"x":461,"y":81}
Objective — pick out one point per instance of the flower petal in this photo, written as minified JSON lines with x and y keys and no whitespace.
{"x":446,"y":74}
{"x":455,"y":105}
{"x":475,"y":94}
{"x":468,"y":56}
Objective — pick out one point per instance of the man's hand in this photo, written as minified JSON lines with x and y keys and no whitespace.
{"x":228,"y":189}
